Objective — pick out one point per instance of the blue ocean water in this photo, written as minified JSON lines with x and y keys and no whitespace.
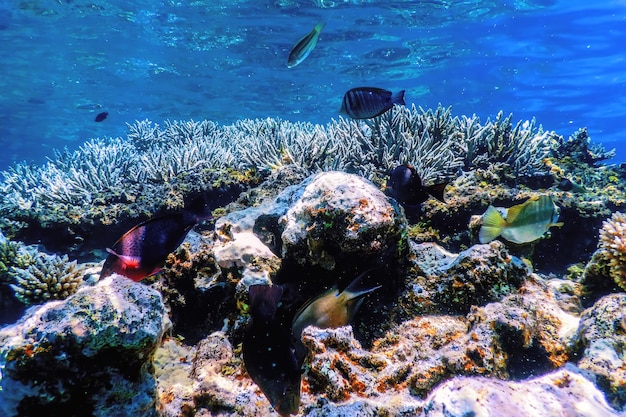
{"x":64,"y":61}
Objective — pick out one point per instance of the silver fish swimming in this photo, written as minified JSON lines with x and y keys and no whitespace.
{"x":523,"y":223}
{"x":368,"y":102}
{"x":304,"y":47}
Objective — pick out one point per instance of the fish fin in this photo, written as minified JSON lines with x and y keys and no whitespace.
{"x":398,"y":98}
{"x":513,"y":212}
{"x":355,"y":291}
{"x":127,"y":261}
{"x":264,"y":300}
{"x":437,"y":191}
{"x":493,"y":222}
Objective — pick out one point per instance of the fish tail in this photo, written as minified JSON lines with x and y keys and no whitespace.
{"x":437,"y":191}
{"x":493,"y":223}
{"x":318,"y":28}
{"x":354,"y":290}
{"x":398,"y":98}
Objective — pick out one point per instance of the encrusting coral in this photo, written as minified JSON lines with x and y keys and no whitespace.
{"x":50,"y":277}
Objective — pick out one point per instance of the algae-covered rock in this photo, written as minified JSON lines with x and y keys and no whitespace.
{"x":87,"y":355}
{"x":602,"y":336}
{"x":455,"y":282}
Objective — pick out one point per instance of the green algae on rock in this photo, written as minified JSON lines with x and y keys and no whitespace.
{"x":89,"y":354}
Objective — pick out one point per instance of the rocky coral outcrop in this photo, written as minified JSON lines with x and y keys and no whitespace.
{"x":561,"y":393}
{"x":602,"y":338}
{"x":328,"y":221}
{"x":88,"y":355}
{"x":444,"y":281}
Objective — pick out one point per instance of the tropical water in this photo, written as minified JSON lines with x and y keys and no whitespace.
{"x":65,"y":61}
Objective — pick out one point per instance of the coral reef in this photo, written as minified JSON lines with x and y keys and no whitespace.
{"x":87,"y":355}
{"x":49,"y":277}
{"x":300,"y":206}
{"x":602,"y":340}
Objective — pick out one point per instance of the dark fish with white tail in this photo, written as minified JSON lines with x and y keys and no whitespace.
{"x":142,"y":250}
{"x":304,"y":47}
{"x":268,"y":353}
{"x":368,"y":102}
{"x":406,"y":186}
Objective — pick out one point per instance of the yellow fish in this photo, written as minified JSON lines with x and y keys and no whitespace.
{"x":332,"y":308}
{"x":522,"y":223}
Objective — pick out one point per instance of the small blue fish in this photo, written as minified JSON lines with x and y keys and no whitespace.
{"x":368,"y":102}
{"x":304,"y":47}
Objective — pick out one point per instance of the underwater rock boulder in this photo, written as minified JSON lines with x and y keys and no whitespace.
{"x":476,"y":276}
{"x":561,"y":393}
{"x":328,"y":219}
{"x":337,"y":215}
{"x":88,"y":355}
{"x":602,"y":337}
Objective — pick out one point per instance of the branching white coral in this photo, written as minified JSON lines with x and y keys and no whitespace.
{"x":51,"y":277}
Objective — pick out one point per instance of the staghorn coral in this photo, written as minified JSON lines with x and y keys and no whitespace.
{"x":612,"y":247}
{"x":521,"y":148}
{"x":50,"y":277}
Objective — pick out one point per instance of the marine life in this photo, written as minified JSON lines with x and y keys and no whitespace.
{"x":332,"y":308}
{"x":567,"y":184}
{"x":304,"y":47}
{"x":101,"y":116}
{"x":405,"y":185}
{"x":268,"y":352}
{"x":141,"y":251}
{"x":368,"y":102}
{"x":522,"y":223}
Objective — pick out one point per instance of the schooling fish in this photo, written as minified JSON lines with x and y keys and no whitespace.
{"x":268,"y":352}
{"x":101,"y":116}
{"x":368,"y":102}
{"x":304,"y":47}
{"x":522,"y":223}
{"x":332,"y":308}
{"x":405,"y":185}
{"x":142,"y":250}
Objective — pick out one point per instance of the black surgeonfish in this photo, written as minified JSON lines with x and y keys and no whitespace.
{"x":268,"y":352}
{"x":368,"y":102}
{"x":405,"y":185}
{"x":142,"y":250}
